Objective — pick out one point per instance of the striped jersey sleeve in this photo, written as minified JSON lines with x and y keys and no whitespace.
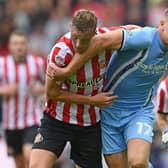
{"x":161,"y":101}
{"x":61,"y":53}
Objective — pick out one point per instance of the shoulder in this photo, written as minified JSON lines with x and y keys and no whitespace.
{"x":64,"y":44}
{"x":62,"y":51}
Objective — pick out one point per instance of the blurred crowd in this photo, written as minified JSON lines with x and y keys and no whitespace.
{"x":44,"y":21}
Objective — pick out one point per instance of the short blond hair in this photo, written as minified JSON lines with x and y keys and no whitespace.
{"x":85,"y":20}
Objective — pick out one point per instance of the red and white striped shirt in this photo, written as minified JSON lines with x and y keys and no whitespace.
{"x":22,"y":109}
{"x":161,"y":99}
{"x":88,"y":80}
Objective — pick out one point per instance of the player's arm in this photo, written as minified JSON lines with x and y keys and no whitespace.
{"x":113,"y":40}
{"x":8,"y":90}
{"x":55,"y":92}
{"x":110,"y":40}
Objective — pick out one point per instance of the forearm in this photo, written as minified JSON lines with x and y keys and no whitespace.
{"x":69,"y":97}
{"x":41,"y":88}
{"x":55,"y":92}
{"x":4,"y":90}
{"x":111,"y":41}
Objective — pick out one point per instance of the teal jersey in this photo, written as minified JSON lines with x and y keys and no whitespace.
{"x":133,"y":72}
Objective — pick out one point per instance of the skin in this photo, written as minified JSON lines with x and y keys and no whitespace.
{"x":163,"y":31}
{"x":18,"y":47}
{"x":112,"y":40}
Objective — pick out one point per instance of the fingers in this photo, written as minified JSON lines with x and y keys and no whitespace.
{"x":107,"y":100}
{"x":107,"y":93}
{"x":111,"y":98}
{"x":51,"y":72}
{"x":50,"y":75}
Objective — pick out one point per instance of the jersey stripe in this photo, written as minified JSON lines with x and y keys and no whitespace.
{"x":161,"y":104}
{"x":81,"y":76}
{"x":16,"y":96}
{"x":7,"y":97}
{"x":66,"y":115}
{"x":37,"y":67}
{"x":26,"y":97}
{"x":96,"y":73}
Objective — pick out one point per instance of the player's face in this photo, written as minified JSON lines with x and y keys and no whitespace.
{"x":18,"y":47}
{"x":81,"y":40}
{"x":164,"y":31}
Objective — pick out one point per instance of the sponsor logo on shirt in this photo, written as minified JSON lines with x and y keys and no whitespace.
{"x":94,"y":83}
{"x":152,"y":69}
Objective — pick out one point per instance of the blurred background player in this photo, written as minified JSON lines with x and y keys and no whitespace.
{"x":21,"y":82}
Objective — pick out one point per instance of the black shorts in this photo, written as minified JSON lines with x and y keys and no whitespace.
{"x":85,"y":141}
{"x":17,"y":138}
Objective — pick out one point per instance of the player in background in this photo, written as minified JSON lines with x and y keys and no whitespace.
{"x":21,"y":82}
{"x":161,"y":107}
{"x":131,"y":74}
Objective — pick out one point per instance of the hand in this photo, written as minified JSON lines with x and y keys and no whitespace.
{"x":51,"y":71}
{"x":104,"y":99}
{"x":11,"y":89}
{"x":54,"y":72}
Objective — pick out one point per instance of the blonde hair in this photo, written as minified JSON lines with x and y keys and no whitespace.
{"x":85,"y":20}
